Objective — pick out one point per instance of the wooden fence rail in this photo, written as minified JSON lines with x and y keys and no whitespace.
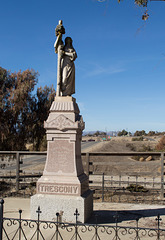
{"x":88,"y":155}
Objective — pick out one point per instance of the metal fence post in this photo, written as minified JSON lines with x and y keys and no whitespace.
{"x":103,"y":187}
{"x":162,"y":176}
{"x":17,"y":171}
{"x":38,"y":222}
{"x":20,"y":223}
{"x":116,"y":217}
{"x":137,"y":228}
{"x":57,"y":225}
{"x":96,"y":229}
{"x":1,"y":219}
{"x":76,"y":226}
{"x":158,"y":219}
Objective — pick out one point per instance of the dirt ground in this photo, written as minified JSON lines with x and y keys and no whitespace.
{"x":126,"y":165}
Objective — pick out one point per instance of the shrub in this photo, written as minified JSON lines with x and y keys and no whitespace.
{"x":131,"y":146}
{"x":136,"y":188}
{"x":137,"y":139}
{"x":136,"y":158}
{"x":145,"y":148}
{"x":161,"y":144}
{"x":4,"y":186}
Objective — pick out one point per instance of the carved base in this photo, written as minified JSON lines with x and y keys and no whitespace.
{"x":64,"y":173}
{"x":65,"y":205}
{"x":61,"y":185}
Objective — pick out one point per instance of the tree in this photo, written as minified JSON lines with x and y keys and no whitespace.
{"x":19,"y":109}
{"x":15,"y":96}
{"x":45,"y":97}
{"x":122,"y":133}
{"x":151,"y":133}
{"x":140,"y":133}
{"x":5,"y":114}
{"x":140,"y":3}
{"x":98,"y":133}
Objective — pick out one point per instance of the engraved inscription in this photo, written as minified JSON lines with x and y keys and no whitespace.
{"x":60,"y":156}
{"x":58,"y":189}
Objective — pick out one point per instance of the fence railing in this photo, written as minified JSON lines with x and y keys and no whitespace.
{"x":19,"y":228}
{"x":88,"y":163}
{"x":126,"y":189}
{"x":17,"y":155}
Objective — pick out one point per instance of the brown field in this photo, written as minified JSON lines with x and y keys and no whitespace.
{"x":123,"y":165}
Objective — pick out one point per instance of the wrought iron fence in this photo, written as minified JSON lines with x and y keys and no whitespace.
{"x":19,"y":228}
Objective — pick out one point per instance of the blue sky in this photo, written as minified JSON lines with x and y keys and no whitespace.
{"x":120,"y":67}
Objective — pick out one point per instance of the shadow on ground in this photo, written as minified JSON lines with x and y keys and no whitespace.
{"x":107,"y":216}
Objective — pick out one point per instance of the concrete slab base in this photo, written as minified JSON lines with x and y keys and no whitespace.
{"x":65,"y":205}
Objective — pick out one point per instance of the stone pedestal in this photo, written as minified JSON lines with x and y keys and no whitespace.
{"x":64,"y":205}
{"x":64,"y":186}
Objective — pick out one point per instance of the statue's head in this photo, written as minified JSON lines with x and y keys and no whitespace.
{"x":68,"y":41}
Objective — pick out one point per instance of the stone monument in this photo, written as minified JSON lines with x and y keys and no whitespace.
{"x":64,"y":186}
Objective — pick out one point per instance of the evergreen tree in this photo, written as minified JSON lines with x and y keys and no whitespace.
{"x":22,"y":112}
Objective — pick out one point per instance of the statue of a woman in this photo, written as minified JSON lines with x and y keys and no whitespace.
{"x":68,"y":55}
{"x":65,"y":66}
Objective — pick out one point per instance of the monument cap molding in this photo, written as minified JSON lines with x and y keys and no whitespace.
{"x":64,"y":104}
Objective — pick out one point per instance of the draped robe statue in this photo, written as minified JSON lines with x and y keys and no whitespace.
{"x":66,"y":67}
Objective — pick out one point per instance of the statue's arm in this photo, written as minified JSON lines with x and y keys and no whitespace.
{"x":72,"y":55}
{"x":56,"y":45}
{"x":58,"y":42}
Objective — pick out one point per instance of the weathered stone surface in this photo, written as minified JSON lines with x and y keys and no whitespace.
{"x":51,"y":204}
{"x":66,"y":104}
{"x":64,"y":133}
{"x":64,"y":186}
